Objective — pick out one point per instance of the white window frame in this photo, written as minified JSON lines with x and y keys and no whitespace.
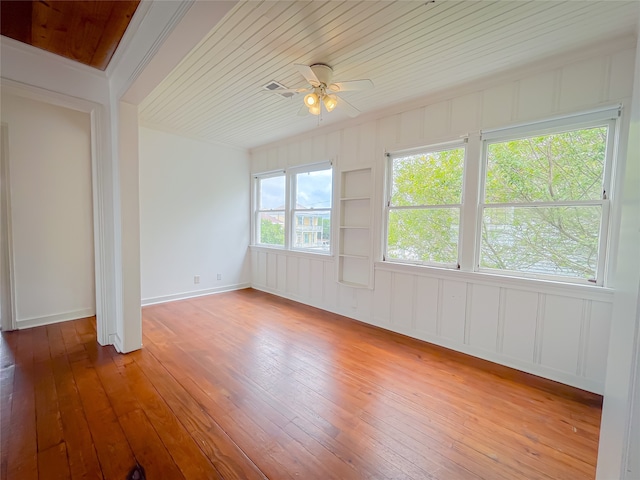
{"x":290,"y":209}
{"x":257,"y":211}
{"x":427,"y":149}
{"x":293,"y":189}
{"x":608,"y":118}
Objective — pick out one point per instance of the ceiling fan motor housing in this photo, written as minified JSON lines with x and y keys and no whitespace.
{"x":324,"y":73}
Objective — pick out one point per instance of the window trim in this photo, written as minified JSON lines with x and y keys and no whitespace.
{"x":426,"y":149}
{"x":257,"y":211}
{"x":605,"y":117}
{"x":289,"y":211}
{"x":293,"y":190}
{"x":473,"y":195}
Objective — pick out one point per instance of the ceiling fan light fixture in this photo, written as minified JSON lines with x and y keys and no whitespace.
{"x":330,"y":102}
{"x":321,"y":91}
{"x":315,"y":109}
{"x":311,"y":100}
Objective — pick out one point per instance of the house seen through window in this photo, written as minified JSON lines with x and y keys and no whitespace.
{"x":293,"y":209}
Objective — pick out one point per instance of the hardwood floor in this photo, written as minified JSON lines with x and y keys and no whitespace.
{"x":250,"y":386}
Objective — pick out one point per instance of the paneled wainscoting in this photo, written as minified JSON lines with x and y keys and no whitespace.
{"x":560,"y":332}
{"x":246,"y":385}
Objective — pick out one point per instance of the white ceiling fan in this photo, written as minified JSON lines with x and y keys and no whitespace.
{"x":322,"y":91}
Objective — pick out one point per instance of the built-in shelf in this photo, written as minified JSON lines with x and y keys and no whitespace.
{"x":351,"y":284}
{"x":355,"y":262}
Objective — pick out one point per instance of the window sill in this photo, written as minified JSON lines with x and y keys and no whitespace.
{"x":297,"y":253}
{"x":590,"y":292}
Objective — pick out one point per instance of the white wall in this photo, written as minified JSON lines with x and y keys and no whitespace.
{"x":194,"y":217}
{"x":619,"y":451}
{"x":559,"y":332}
{"x":51,"y":211}
{"x":64,"y":82}
{"x":129,"y":326}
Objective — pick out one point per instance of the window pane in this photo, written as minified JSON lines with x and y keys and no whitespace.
{"x":433,"y":178}
{"x":314,"y":189}
{"x":272,"y":193}
{"x":271,"y":228}
{"x":313,"y":230}
{"x":427,"y":235}
{"x":562,"y":166}
{"x":550,"y":240}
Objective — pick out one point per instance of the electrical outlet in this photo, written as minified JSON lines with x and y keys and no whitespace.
{"x":219,"y":276}
{"x":196,"y":279}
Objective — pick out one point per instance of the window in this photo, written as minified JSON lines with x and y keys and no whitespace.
{"x":293,"y":208}
{"x":312,"y":210}
{"x":544,"y":208}
{"x":270,"y":210}
{"x":534,"y":204}
{"x":424,"y":205}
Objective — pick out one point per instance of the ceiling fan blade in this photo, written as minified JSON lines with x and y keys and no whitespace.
{"x":304,"y":111}
{"x":348,"y":108}
{"x":351,"y":85}
{"x":308,"y":74}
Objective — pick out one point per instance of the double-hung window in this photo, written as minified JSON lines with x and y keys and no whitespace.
{"x":537,"y":206}
{"x":293,"y":208}
{"x":544,"y":207}
{"x":424,"y":205}
{"x":270,"y":210}
{"x":312,"y":192}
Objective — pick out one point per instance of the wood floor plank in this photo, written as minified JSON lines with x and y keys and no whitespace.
{"x":266,"y":446}
{"x":250,"y":386}
{"x":143,"y":439}
{"x":111,"y":444}
{"x":228,"y":459}
{"x":274,"y":414}
{"x":53,"y":464}
{"x":81,"y":453}
{"x":147,"y":446}
{"x":273,"y":440}
{"x":8,"y":346}
{"x":49,"y":425}
{"x":406,"y":453}
{"x":191,"y":461}
{"x":22,"y":459}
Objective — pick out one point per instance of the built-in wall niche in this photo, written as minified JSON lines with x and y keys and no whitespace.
{"x":355,"y":262}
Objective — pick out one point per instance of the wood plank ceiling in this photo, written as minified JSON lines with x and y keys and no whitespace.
{"x":409,"y":49}
{"x":86,"y":31}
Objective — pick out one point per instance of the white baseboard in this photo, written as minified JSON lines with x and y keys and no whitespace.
{"x":114,"y":340}
{"x":58,"y":317}
{"x":192,"y":294}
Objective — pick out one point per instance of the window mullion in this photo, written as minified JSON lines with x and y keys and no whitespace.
{"x":567,"y":203}
{"x":255,"y":228}
{"x":289,"y":226}
{"x":469,"y":211}
{"x":424,"y":207}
